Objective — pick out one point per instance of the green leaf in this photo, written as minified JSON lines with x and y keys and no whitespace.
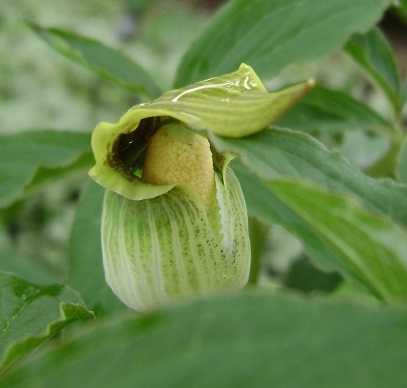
{"x":44,"y":176}
{"x":374,"y":54}
{"x":258,"y":233}
{"x":29,"y":157}
{"x":305,"y":277}
{"x":86,"y":267}
{"x":324,"y":109}
{"x":401,"y":10}
{"x":263,"y":204}
{"x":32,"y":314}
{"x":107,"y":62}
{"x":11,"y":260}
{"x":276,"y":153}
{"x":269,"y":35}
{"x":401,"y":168}
{"x":253,"y":339}
{"x":372,"y":247}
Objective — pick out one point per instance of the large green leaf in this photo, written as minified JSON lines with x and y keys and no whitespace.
{"x":264,"y":205}
{"x":270,"y":35}
{"x":32,"y":314}
{"x":372,"y":248}
{"x":324,"y":109}
{"x":28,"y":159}
{"x":275,"y":153}
{"x":86,"y":268}
{"x":252,"y":339}
{"x":108,"y":62}
{"x":374,"y":54}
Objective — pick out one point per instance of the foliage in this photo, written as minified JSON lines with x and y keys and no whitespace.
{"x":307,"y":178}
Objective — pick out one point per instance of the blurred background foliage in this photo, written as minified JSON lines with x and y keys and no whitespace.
{"x":39,"y":89}
{"x":54,"y":93}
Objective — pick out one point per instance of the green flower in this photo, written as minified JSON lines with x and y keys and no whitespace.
{"x":174,"y":220}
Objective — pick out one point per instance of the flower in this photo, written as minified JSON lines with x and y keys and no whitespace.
{"x":174,"y":222}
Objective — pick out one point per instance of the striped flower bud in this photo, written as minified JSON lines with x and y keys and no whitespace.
{"x":174,"y":222}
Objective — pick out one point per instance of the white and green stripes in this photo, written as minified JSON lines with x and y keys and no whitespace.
{"x":169,"y":248}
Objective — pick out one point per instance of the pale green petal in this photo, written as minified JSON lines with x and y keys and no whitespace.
{"x":113,"y":175}
{"x":233,"y":105}
{"x":168,"y":248}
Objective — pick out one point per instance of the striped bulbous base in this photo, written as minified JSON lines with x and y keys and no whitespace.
{"x":169,"y":248}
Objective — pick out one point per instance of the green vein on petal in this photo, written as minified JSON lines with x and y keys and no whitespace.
{"x":168,"y":248}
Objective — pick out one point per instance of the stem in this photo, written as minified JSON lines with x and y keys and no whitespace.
{"x":386,"y":166}
{"x":258,"y":237}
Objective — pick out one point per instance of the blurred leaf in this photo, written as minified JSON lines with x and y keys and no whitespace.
{"x":276,"y":153}
{"x":401,"y":169}
{"x":12,"y":261}
{"x":45,"y":175}
{"x":32,"y":314}
{"x":374,"y":54}
{"x":303,"y":276}
{"x":366,"y":150}
{"x":86,"y":267}
{"x":108,"y":62}
{"x":22,"y":156}
{"x":269,"y":35}
{"x":324,"y":109}
{"x":263,"y":204}
{"x":387,"y":164}
{"x":253,"y":339}
{"x":372,"y":247}
{"x":258,"y":236}
{"x":401,"y":9}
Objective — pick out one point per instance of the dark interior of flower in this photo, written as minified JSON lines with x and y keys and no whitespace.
{"x":129,"y":149}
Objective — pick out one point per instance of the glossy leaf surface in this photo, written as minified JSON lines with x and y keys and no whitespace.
{"x":32,"y":314}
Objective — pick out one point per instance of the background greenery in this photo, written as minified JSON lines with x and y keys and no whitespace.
{"x":327,"y":198}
